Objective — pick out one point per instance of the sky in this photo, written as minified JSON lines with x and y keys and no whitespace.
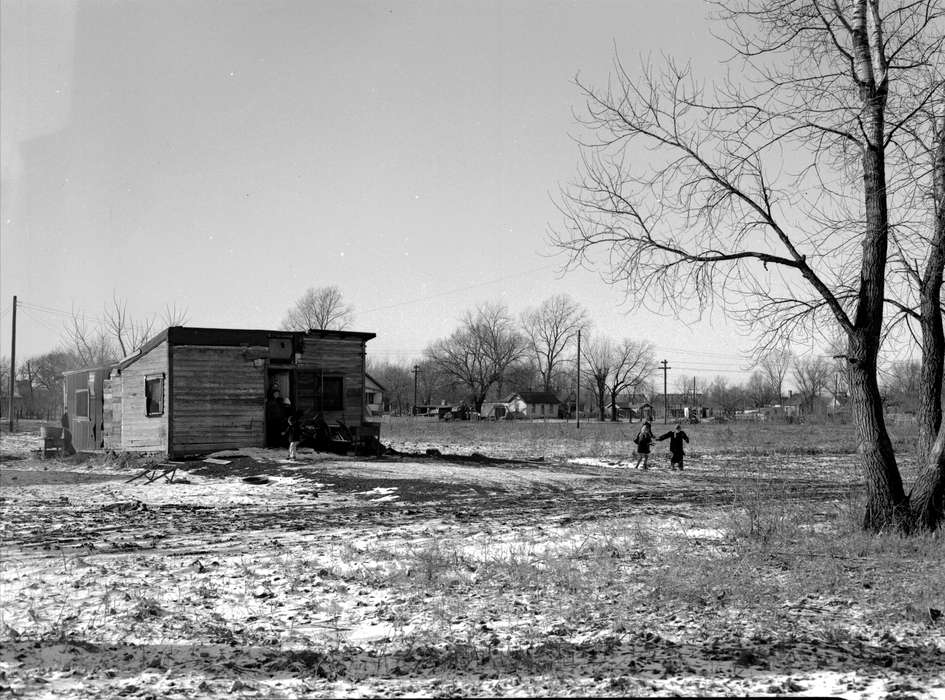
{"x":224,"y":156}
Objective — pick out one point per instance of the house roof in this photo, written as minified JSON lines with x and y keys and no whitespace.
{"x":686,"y":398}
{"x":188,"y":335}
{"x":369,"y":379}
{"x":534,"y":397}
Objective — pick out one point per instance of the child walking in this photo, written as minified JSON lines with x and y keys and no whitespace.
{"x":294,"y":432}
{"x":676,"y":452}
{"x":643,"y":440}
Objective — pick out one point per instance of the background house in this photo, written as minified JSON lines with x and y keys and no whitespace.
{"x":373,"y":396}
{"x":632,"y":407}
{"x":534,"y":404}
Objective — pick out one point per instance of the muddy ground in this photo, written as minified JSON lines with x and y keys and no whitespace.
{"x":413,"y":574}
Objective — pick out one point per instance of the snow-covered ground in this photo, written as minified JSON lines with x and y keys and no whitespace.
{"x":416,"y":576}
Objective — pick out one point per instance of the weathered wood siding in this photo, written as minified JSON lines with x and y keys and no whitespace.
{"x":139,"y":431}
{"x":219,"y":398}
{"x":338,"y":357}
{"x":87,"y":431}
{"x":111,"y":393}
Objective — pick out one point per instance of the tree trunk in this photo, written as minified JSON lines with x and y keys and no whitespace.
{"x":928,"y":492}
{"x":887,"y":505}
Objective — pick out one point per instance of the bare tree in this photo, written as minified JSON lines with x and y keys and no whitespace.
{"x":689,"y":196}
{"x":101,"y":341}
{"x":126,"y":332}
{"x":322,"y":308}
{"x":812,"y":376}
{"x":759,"y":390}
{"x":726,"y":397}
{"x":684,"y":384}
{"x":4,"y":385}
{"x":774,"y":365}
{"x":632,"y":362}
{"x":479,"y":353}
{"x":598,"y":355}
{"x":90,"y":342}
{"x":551,"y":330}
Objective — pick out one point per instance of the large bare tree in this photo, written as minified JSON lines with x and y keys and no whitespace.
{"x":322,"y":308}
{"x":479,"y":353}
{"x":632,"y":363}
{"x":768,"y":196}
{"x":597,"y":354}
{"x":551,"y":330}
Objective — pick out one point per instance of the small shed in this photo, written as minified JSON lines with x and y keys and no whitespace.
{"x":199,"y":390}
{"x":83,"y":402}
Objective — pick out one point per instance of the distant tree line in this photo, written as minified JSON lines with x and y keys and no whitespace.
{"x":492,"y":354}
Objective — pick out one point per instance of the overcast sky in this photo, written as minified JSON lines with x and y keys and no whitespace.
{"x":225,"y":156}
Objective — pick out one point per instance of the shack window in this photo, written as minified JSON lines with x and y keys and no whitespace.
{"x":317,"y":392}
{"x":154,"y":395}
{"x":82,"y":403}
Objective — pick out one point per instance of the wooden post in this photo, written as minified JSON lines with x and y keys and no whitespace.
{"x":12,"y":363}
{"x":577,"y":394}
{"x":666,"y":368}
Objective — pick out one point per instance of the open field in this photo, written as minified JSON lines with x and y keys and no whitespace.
{"x":525,"y":559}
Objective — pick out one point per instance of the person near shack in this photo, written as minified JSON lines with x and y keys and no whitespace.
{"x":676,"y":451}
{"x":293,"y":431}
{"x":68,"y":449}
{"x":643,"y":440}
{"x":275,"y":418}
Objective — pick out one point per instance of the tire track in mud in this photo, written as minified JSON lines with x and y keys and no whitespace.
{"x":597,"y":496}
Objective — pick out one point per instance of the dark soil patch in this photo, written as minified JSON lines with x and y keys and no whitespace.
{"x":32,"y":477}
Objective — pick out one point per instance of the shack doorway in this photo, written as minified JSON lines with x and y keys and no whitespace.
{"x":278,"y":406}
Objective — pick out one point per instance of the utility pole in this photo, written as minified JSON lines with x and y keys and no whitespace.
{"x":13,"y":363}
{"x":694,"y":398}
{"x":577,"y":393}
{"x":666,"y":368}
{"x":416,"y":373}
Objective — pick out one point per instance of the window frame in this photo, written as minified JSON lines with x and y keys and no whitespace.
{"x":150,"y":380}
{"x":86,"y":400}
{"x":318,"y":382}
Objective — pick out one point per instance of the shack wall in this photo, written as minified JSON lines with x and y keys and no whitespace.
{"x":111,"y":394}
{"x":219,"y":398}
{"x":336,"y":357}
{"x":84,"y":387}
{"x":140,"y":432}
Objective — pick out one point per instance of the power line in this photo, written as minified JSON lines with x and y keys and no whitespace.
{"x":41,"y":321}
{"x":50,"y":310}
{"x":458,"y":289}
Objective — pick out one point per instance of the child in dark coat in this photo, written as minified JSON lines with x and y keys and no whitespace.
{"x":676,"y":452}
{"x":643,"y":440}
{"x":294,"y":433}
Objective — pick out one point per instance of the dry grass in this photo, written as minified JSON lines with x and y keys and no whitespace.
{"x":755,"y":590}
{"x":563,"y":439}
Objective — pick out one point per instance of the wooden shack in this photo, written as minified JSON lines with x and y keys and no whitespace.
{"x":82,"y":400}
{"x":192,"y":391}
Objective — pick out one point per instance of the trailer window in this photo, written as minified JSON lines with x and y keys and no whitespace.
{"x":82,"y":403}
{"x":154,"y":395}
